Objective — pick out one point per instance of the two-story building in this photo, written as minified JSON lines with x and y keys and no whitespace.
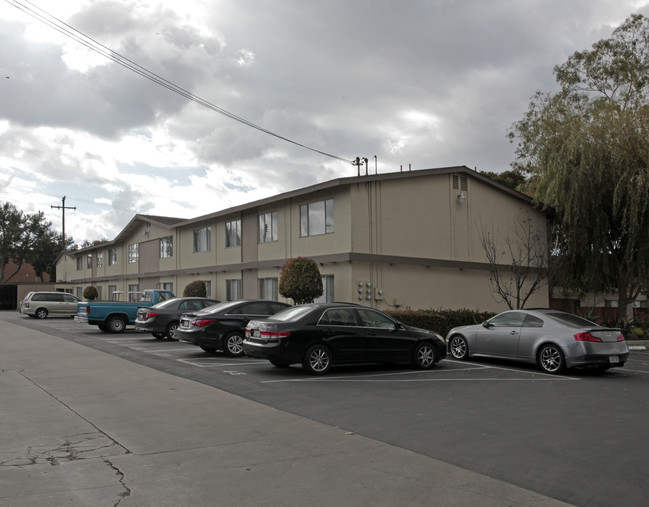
{"x":394,"y":240}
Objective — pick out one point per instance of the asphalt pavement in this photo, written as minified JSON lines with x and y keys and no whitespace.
{"x":80,"y":427}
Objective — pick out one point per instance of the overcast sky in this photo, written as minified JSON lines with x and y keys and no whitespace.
{"x":420,"y":83}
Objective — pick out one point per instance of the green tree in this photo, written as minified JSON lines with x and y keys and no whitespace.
{"x":513,"y":179}
{"x":21,"y":238}
{"x":300,"y":280}
{"x":197,"y":288}
{"x":586,"y":149}
{"x":90,"y":293}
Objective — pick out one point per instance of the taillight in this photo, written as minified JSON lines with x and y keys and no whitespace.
{"x":150,"y":315}
{"x":204,"y":322}
{"x":587,"y":337}
{"x":273,"y":335}
{"x":87,"y":309}
{"x":620,"y":338}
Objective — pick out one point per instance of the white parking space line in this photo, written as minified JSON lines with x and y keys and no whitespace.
{"x":212,"y":364}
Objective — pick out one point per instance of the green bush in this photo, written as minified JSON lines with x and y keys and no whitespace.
{"x":300,"y":280}
{"x":90,"y":293}
{"x":195,"y":289}
{"x":440,"y":321}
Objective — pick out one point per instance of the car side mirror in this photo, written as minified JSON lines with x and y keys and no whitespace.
{"x":486,"y":324}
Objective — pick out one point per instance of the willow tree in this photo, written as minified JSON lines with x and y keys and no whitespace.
{"x":586,"y":150}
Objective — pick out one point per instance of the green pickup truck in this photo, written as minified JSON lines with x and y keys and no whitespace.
{"x":114,"y":316}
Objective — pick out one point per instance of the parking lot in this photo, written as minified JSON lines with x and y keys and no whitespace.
{"x":577,"y":437}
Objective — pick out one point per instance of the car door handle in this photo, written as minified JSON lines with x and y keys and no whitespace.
{"x":513,"y":332}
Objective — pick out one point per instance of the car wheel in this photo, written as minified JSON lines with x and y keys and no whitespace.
{"x":551,"y":359}
{"x":233,"y":345}
{"x":158,"y":336}
{"x":172,"y":331}
{"x":41,"y":313}
{"x":211,"y":350}
{"x":424,"y":356}
{"x":279,"y":364}
{"x":459,"y":348}
{"x":317,"y":360}
{"x":116,"y":325}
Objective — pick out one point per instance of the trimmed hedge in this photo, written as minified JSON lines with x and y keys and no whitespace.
{"x":440,"y":321}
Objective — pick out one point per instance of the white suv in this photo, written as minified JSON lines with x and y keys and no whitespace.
{"x":42,"y":304}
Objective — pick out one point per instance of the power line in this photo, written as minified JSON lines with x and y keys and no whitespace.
{"x":87,"y":41}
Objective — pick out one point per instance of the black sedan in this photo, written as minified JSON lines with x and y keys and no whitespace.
{"x":222,"y":326}
{"x":320,"y":335}
{"x":161,"y":320}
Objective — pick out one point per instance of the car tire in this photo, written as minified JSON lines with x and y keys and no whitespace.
{"x":233,"y":345}
{"x":116,"y":325}
{"x":211,"y":350}
{"x":172,"y":331}
{"x":41,"y":313}
{"x":158,"y":336}
{"x":459,"y":348}
{"x":317,"y":360}
{"x":424,"y":357}
{"x":550,"y":359}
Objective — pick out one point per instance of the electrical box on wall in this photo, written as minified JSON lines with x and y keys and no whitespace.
{"x":378,"y":294}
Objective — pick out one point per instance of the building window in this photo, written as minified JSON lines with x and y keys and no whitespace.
{"x":268,"y":289}
{"x":268,"y":227}
{"x":233,"y":233}
{"x":112,"y":257}
{"x":133,"y":296}
{"x":460,"y":182}
{"x":133,"y":253}
{"x":100,"y":259}
{"x":166,"y":247}
{"x":202,"y":239}
{"x":79,"y":263}
{"x":79,"y":291}
{"x":208,"y":288}
{"x":327,"y":290}
{"x":232,"y":290}
{"x":317,"y":218}
{"x":111,"y":289}
{"x":99,"y":292}
{"x":89,"y":261}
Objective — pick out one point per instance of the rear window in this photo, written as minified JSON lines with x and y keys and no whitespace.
{"x":571,"y":320}
{"x":292,"y":314}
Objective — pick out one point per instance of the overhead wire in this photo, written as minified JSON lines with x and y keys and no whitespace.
{"x":94,"y":45}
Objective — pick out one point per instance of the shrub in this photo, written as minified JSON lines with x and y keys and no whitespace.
{"x":90,"y":293}
{"x":440,"y":321}
{"x":195,"y":289}
{"x":300,"y":280}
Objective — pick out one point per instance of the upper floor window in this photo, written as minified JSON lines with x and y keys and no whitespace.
{"x":100,"y":260}
{"x":202,"y":239}
{"x":166,"y":247}
{"x":79,"y":263}
{"x":233,"y":233}
{"x":112,"y":257}
{"x":268,"y":228}
{"x":89,"y":261}
{"x":317,"y":218}
{"x":133,"y":253}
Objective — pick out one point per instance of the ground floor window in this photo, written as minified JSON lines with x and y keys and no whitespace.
{"x":133,"y":287}
{"x":268,"y":289}
{"x":232,"y":290}
{"x":327,"y":290}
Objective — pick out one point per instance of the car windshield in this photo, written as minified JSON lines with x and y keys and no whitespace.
{"x":572,"y":320}
{"x":292,"y":314}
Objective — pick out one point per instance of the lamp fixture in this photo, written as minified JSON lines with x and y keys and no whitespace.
{"x":461,"y":197}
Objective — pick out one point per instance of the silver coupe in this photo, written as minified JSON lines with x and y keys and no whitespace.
{"x":551,"y":339}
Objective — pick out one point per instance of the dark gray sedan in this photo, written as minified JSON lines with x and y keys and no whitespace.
{"x":161,"y":320}
{"x":551,"y":339}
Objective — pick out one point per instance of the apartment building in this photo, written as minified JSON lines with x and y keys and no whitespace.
{"x":402,"y":240}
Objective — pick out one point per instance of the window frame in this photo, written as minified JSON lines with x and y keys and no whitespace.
{"x":202,"y":235}
{"x":310,"y":219}
{"x":166,"y":247}
{"x":272,"y":218}
{"x":233,"y":233}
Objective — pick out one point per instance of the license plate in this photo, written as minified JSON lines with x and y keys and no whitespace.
{"x":255,"y":333}
{"x":184,"y":323}
{"x":613,"y":359}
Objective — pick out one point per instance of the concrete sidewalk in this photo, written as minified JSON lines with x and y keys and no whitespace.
{"x":79,"y":427}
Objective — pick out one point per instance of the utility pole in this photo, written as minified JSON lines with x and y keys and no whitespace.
{"x":63,"y":207}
